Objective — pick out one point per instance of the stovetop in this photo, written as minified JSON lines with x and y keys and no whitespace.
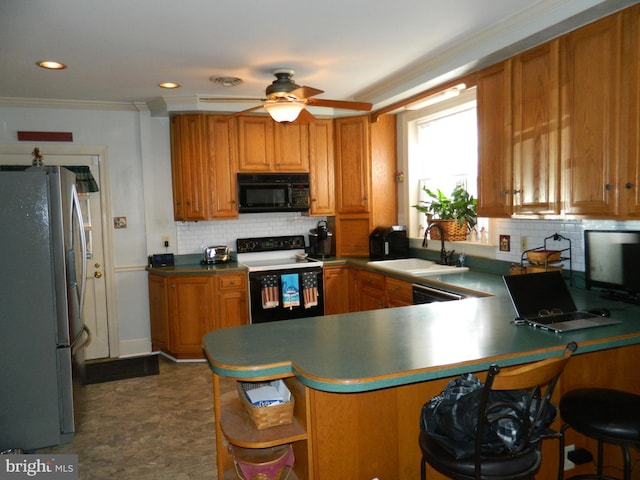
{"x":273,"y":253}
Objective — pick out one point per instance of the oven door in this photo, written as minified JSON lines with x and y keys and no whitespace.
{"x":262,"y":308}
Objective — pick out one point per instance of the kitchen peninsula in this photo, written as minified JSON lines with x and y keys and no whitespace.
{"x":359,"y":380}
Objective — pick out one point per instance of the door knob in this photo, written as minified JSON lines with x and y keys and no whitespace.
{"x":97,"y":274}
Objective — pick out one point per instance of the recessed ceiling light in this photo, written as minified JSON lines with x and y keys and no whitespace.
{"x":226,"y":81}
{"x":51,"y":65}
{"x":169,"y":85}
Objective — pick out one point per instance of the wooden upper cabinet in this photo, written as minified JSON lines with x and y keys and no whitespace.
{"x":223,"y":157}
{"x":629,"y":177}
{"x":590,"y":76}
{"x":268,"y":146}
{"x":495,"y":189}
{"x":203,"y":167}
{"x":190,"y":168}
{"x":256,"y":150}
{"x":321,"y":168}
{"x":536,"y":131}
{"x":291,"y":141}
{"x":353,"y":174}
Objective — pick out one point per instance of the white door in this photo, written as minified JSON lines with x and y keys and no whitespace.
{"x":94,"y":313}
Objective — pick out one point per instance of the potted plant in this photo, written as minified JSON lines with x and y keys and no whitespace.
{"x":456,"y":213}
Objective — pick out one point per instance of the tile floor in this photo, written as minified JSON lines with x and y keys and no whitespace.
{"x":157,"y":427}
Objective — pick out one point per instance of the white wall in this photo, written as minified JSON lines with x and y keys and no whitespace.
{"x":140,"y":190}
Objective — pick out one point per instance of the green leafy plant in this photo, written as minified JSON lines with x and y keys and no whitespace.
{"x":460,"y":206}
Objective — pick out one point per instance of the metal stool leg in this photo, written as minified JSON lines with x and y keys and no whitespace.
{"x":627,"y":462}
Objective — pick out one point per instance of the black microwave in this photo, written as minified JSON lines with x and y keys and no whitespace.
{"x":273,"y":192}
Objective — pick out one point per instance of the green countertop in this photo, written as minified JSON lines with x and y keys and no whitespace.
{"x":376,"y":349}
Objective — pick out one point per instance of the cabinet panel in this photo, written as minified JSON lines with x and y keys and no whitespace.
{"x":192,"y":312}
{"x":223,"y":156}
{"x":629,"y":179}
{"x":321,"y":168}
{"x":291,"y":142}
{"x":536,"y":148}
{"x":255,"y":144}
{"x":159,"y":312}
{"x":590,"y":112}
{"x":398,"y":292}
{"x":352,"y":161}
{"x":336,"y":290}
{"x":494,"y":141}
{"x":189,"y":167}
{"x":352,"y":233}
{"x":232,"y":307}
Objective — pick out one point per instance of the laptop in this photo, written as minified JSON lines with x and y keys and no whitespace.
{"x":543,"y":300}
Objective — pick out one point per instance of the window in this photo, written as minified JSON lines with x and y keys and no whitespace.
{"x":441,"y":152}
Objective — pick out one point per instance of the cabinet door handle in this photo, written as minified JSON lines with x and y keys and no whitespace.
{"x":503,"y":192}
{"x":608,"y":186}
{"x":515,"y":192}
{"x":628,"y":185}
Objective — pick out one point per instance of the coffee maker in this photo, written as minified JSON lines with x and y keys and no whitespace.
{"x":320,"y":240}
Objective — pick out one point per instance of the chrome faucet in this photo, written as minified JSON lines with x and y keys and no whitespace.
{"x":445,"y":256}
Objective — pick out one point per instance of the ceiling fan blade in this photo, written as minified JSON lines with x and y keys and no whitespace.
{"x":306,"y":92}
{"x":320,"y":102}
{"x":304,"y":117}
{"x":242,"y":112}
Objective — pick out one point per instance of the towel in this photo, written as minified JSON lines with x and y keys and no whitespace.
{"x":290,"y":290}
{"x":270,"y":291}
{"x":310,"y":289}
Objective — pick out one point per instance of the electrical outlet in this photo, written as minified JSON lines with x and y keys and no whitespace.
{"x":523,"y":244}
{"x":165,"y":240}
{"x":568,"y":464}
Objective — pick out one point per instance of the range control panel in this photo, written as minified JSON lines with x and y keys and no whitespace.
{"x":269,"y":244}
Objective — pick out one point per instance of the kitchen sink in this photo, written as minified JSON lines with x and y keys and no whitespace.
{"x":415,"y":266}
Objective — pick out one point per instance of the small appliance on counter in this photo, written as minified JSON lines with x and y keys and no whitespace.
{"x":320,"y":240}
{"x":219,"y":254}
{"x":389,"y":243}
{"x":161,"y":260}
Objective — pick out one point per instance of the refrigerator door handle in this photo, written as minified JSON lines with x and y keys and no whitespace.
{"x":81,"y":341}
{"x":75,"y":206}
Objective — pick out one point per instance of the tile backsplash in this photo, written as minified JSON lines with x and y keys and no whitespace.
{"x":536,"y":231}
{"x":194,"y":236}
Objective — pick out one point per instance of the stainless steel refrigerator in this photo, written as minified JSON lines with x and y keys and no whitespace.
{"x":42,"y":272}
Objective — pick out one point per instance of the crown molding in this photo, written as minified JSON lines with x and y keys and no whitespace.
{"x":70,"y":104}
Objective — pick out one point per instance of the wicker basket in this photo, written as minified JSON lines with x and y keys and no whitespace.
{"x":543,"y":257}
{"x":453,"y":231}
{"x":274,"y":463}
{"x":265,"y":417}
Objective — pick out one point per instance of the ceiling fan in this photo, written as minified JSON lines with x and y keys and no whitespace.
{"x":286,"y":101}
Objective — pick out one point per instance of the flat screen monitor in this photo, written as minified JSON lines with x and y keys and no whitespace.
{"x":612,"y":262}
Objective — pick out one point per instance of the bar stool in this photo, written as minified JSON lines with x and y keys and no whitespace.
{"x":607,"y":415}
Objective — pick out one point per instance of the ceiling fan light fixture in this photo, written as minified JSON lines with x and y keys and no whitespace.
{"x":284,"y":111}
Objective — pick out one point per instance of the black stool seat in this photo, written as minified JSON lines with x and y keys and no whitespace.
{"x":611,"y":415}
{"x":607,"y":415}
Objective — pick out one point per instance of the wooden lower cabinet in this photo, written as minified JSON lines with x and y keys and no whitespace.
{"x":336,"y":289}
{"x":372,"y":296}
{"x":183,"y":308}
{"x":399,"y":293}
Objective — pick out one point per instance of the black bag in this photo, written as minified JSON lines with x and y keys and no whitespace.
{"x":450,"y":418}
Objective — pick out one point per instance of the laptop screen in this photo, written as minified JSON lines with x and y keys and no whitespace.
{"x":538,"y":294}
